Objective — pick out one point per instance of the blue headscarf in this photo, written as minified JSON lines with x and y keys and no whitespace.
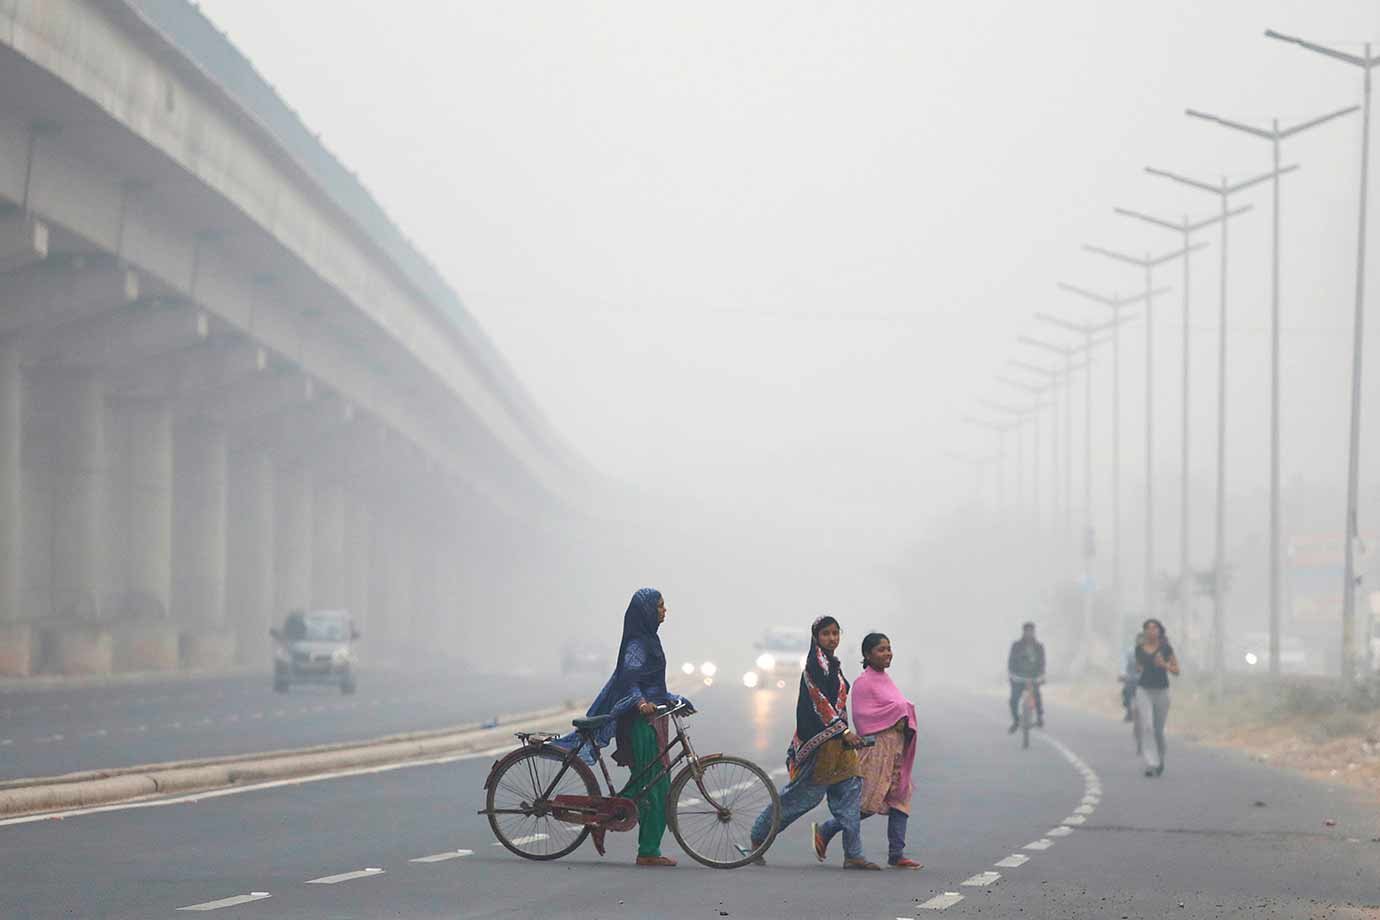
{"x":640,"y":674}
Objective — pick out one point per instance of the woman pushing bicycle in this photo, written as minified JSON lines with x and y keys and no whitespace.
{"x":637,"y":687}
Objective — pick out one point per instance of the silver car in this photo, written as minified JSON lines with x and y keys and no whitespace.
{"x":314,"y":647}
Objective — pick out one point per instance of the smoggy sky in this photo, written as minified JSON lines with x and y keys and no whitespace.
{"x":769,"y":254}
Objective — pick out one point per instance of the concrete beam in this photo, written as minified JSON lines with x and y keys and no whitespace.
{"x":255,"y":397}
{"x":45,"y":296}
{"x":123,"y":337}
{"x":192,"y":372}
{"x":294,"y":433}
{"x":23,"y":241}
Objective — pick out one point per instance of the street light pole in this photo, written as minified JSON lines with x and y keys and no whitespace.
{"x":1187,"y":228}
{"x":1148,"y":264}
{"x":1367,"y":63}
{"x":1224,"y":191}
{"x":1038,"y":392}
{"x":1020,"y":415}
{"x":1274,"y":135}
{"x":1116,"y":304}
{"x":1001,"y":430}
{"x":978,"y":464}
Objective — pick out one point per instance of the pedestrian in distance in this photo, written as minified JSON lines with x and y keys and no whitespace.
{"x":637,"y":687}
{"x":1129,"y":677}
{"x":1155,"y":661}
{"x":881,"y":712}
{"x":822,"y":760}
{"x":1026,"y":662}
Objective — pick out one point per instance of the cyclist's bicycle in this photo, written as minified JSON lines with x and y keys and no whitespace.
{"x":1027,"y":707}
{"x":543,"y":799}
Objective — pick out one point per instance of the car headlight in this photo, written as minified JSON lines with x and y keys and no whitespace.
{"x":340,"y":655}
{"x":750,"y":679}
{"x":1251,"y":658}
{"x":688,"y":668}
{"x":709,"y":669}
{"x":766,"y":661}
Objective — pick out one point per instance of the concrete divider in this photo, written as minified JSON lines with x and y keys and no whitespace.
{"x":36,"y":795}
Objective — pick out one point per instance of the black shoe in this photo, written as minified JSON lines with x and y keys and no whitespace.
{"x":1040,"y":722}
{"x":1014,"y":725}
{"x":1159,"y":771}
{"x":1150,"y":771}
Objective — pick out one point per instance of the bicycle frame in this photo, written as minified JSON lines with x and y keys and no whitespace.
{"x":681,"y":739}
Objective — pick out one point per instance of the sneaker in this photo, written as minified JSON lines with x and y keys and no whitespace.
{"x":1159,"y":771}
{"x":1150,"y":772}
{"x":1014,"y":725}
{"x":1040,"y":722}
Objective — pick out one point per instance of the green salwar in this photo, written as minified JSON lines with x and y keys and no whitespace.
{"x":651,"y":809}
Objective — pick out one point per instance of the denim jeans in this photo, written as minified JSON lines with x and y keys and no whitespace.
{"x":895,"y":832}
{"x":801,"y":795}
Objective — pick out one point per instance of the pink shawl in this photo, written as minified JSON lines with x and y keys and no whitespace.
{"x":878,"y":704}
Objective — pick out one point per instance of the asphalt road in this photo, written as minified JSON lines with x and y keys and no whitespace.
{"x":1193,"y":843}
{"x":48,"y":731}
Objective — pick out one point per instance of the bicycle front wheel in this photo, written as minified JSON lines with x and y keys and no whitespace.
{"x":717,"y":830}
{"x":522,"y":818}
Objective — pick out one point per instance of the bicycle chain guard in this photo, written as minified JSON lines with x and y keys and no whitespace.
{"x":601,"y":812}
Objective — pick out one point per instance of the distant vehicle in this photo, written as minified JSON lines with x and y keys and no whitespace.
{"x":1295,"y":654}
{"x":780,"y":657}
{"x":314,"y":647}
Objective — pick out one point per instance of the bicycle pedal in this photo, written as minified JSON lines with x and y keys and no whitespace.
{"x":598,"y":835}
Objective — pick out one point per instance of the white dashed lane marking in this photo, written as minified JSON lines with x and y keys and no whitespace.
{"x":442,"y":857}
{"x":229,"y":902}
{"x":1014,"y":861}
{"x":982,"y":879}
{"x":941,"y":901}
{"x":344,"y":877}
{"x":1044,"y":843}
{"x":1060,"y":831}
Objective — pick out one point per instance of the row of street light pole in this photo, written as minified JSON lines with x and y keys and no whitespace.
{"x":1093,"y":335}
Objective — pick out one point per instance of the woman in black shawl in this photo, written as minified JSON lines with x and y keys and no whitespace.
{"x":822,"y":759}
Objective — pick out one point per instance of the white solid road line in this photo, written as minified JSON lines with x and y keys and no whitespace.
{"x":941,"y":901}
{"x":1044,"y":843}
{"x":523,"y":841}
{"x":344,"y":877}
{"x":981,"y":880}
{"x":256,"y":787}
{"x":1014,"y":861}
{"x":229,"y":902}
{"x":442,"y":857}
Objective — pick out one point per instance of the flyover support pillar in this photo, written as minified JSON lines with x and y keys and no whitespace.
{"x":357,"y":558}
{"x":16,"y":639}
{"x":250,"y":554}
{"x":293,"y":539}
{"x":328,"y":544}
{"x":199,"y":515}
{"x":74,"y":415}
{"x":141,"y":546}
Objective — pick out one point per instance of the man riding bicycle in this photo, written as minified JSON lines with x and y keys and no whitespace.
{"x":1026,"y":663}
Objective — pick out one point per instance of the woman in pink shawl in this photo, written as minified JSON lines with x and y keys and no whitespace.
{"x":881,"y":711}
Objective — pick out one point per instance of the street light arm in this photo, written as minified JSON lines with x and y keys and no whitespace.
{"x":1048,"y":373}
{"x":1048,"y":346}
{"x":1322,"y":49}
{"x":1264,"y":177}
{"x":1169,"y":224}
{"x":1080,"y":328}
{"x":1171,"y":256}
{"x":1234,"y":212}
{"x":1321,"y":119}
{"x":1228,"y":123}
{"x":1084,"y":292}
{"x":1166,"y":174}
{"x":1024,"y":386}
{"x":1113,"y":254}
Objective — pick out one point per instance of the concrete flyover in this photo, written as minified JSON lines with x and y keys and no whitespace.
{"x":228,"y":386}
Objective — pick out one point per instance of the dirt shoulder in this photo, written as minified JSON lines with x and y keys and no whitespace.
{"x":1299,"y":725}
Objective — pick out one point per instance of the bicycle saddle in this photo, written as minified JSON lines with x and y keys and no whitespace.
{"x":595,"y":722}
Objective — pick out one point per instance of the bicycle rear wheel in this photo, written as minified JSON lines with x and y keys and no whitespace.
{"x":722,"y":837}
{"x":1027,"y":708}
{"x":525,"y":824}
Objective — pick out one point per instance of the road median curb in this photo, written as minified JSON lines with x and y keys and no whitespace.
{"x":34,"y":796}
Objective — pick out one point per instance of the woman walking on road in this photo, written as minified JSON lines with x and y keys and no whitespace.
{"x":637,"y":686}
{"x":881,"y":710}
{"x":822,"y":759}
{"x":1155,"y":661}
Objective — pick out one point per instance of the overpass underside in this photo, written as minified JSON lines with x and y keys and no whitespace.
{"x":220,"y":400}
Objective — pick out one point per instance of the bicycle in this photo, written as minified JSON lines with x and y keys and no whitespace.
{"x":1027,"y":708}
{"x":543,"y":799}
